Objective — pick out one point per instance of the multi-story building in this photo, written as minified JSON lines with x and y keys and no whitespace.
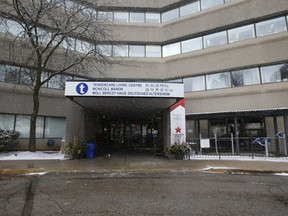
{"x":231,"y":56}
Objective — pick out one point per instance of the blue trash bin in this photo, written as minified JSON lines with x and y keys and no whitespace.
{"x":91,"y":150}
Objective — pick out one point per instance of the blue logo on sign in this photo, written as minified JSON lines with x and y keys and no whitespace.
{"x":82,"y":88}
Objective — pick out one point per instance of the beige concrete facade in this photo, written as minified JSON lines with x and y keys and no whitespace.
{"x":268,"y":50}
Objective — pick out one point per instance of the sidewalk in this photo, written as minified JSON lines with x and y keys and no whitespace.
{"x":121,"y":163}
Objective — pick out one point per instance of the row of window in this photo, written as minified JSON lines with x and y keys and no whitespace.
{"x":258,"y":29}
{"x":18,"y":75}
{"x":148,"y":17}
{"x":46,"y":127}
{"x":251,"y":76}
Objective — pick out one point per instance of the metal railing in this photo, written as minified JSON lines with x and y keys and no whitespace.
{"x":233,"y":147}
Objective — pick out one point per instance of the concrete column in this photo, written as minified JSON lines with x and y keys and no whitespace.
{"x":286,"y":132}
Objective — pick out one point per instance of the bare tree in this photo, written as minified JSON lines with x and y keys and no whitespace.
{"x":59,"y":36}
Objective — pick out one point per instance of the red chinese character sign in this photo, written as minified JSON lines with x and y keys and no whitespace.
{"x":177,"y":122}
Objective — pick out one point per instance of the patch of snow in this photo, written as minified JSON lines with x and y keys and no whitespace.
{"x":26,"y":155}
{"x":242,"y":158}
{"x":36,"y":173}
{"x":281,"y":174}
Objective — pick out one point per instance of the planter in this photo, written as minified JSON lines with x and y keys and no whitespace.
{"x":179,"y":156}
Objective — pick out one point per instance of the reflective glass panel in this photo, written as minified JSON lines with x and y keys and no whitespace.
{"x":137,"y":17}
{"x":120,"y":50}
{"x":136,"y":51}
{"x":170,"y":15}
{"x":274,"y":73}
{"x":55,"y":127}
{"x":205,"y":4}
{"x":189,"y":8}
{"x":105,"y":15}
{"x":219,"y":80}
{"x":152,"y":18}
{"x":39,"y":127}
{"x":14,"y":28}
{"x":12,"y":74}
{"x":83,"y":47}
{"x":194,"y":84}
{"x":192,"y":45}
{"x":271,"y":26}
{"x":245,"y":77}
{"x":105,"y":50}
{"x":23,"y":125}
{"x":241,"y":33}
{"x":153,"y":51}
{"x":171,"y":49}
{"x":216,"y":39}
{"x":7,"y":122}
{"x":121,"y":16}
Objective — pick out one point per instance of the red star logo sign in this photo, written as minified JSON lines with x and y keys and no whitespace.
{"x":178,"y":130}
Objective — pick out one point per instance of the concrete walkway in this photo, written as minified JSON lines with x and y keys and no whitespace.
{"x":141,"y":163}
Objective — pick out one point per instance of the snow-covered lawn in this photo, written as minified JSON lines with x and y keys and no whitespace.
{"x":26,"y":155}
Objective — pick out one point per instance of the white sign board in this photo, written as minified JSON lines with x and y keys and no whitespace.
{"x":124,"y":89}
{"x":178,"y":123}
{"x":205,"y":143}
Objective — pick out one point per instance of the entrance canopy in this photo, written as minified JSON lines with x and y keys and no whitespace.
{"x":133,"y":100}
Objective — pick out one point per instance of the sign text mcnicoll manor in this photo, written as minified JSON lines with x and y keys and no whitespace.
{"x":124,"y":89}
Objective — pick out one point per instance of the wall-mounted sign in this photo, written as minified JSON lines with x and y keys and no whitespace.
{"x":177,"y":122}
{"x":124,"y":89}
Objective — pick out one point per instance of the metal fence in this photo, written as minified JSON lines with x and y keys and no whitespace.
{"x":225,"y":147}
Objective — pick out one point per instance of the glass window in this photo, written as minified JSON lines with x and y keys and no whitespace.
{"x":27,"y":76}
{"x":12,"y":74}
{"x":136,"y":51}
{"x":205,"y":4}
{"x":58,"y":81}
{"x":3,"y":25}
{"x":55,"y":127}
{"x":137,"y":17}
{"x":171,"y":49}
{"x":216,"y":39}
{"x":120,"y":50}
{"x":152,"y":17}
{"x":194,"y":84}
{"x":68,"y":43}
{"x":83,"y":47}
{"x":105,"y":15}
{"x":105,"y":50}
{"x":2,"y":72}
{"x":191,"y":45}
{"x":39,"y":127}
{"x":23,"y":125}
{"x":121,"y":16}
{"x":274,"y":73}
{"x":7,"y":122}
{"x":189,"y":8}
{"x":170,"y":15}
{"x":219,"y":80}
{"x":245,"y":77}
{"x":14,"y":28}
{"x":271,"y":26}
{"x":153,"y":51}
{"x":44,"y":36}
{"x":241,"y":33}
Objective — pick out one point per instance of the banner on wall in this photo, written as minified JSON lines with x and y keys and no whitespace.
{"x":178,"y":122}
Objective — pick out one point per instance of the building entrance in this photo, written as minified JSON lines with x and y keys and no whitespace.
{"x":132,"y":136}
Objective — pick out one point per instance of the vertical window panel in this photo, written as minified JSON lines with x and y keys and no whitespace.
{"x":55,"y":127}
{"x":7,"y":121}
{"x":241,"y":33}
{"x":105,"y":16}
{"x":136,"y":51}
{"x":120,"y":50}
{"x":216,"y":39}
{"x":219,"y":80}
{"x":105,"y":50}
{"x":191,"y":45}
{"x":245,"y":77}
{"x":137,"y":17}
{"x":171,"y":49}
{"x":271,"y":26}
{"x":121,"y":16}
{"x":170,"y":15}
{"x":273,"y":73}
{"x":152,"y":17}
{"x":23,"y":125}
{"x":205,"y":4}
{"x":153,"y":51}
{"x":194,"y":84}
{"x":189,"y":8}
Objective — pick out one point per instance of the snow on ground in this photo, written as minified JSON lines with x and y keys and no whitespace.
{"x":26,"y":155}
{"x":281,"y":174}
